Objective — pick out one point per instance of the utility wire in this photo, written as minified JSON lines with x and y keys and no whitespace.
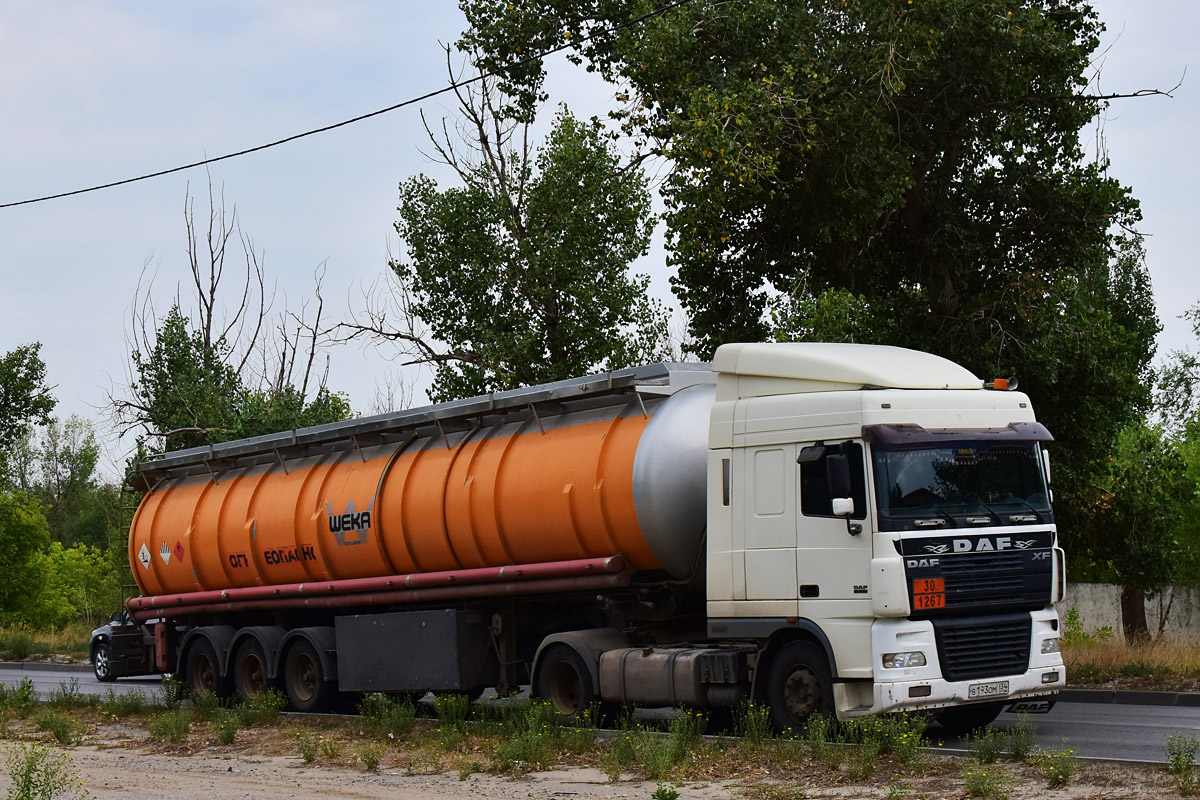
{"x":453,"y":85}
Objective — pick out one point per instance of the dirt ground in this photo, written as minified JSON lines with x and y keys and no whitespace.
{"x":117,"y":761}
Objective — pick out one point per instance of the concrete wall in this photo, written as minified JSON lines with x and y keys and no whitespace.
{"x":1099,"y":605}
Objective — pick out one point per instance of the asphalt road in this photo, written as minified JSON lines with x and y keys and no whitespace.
{"x":1093,"y":730}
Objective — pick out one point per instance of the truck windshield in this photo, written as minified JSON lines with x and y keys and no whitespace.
{"x":956,"y":480}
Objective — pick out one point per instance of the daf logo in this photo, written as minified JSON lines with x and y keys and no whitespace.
{"x":1022,"y":545}
{"x":919,"y":563}
{"x":936,"y":548}
{"x":983,"y":543}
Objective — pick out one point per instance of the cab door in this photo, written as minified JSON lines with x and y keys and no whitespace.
{"x":832,"y":563}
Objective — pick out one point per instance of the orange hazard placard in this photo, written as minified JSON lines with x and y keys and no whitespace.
{"x":926,"y":601}
{"x":929,"y":585}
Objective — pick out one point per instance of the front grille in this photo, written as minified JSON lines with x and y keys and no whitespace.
{"x":983,"y":647}
{"x":975,"y":579}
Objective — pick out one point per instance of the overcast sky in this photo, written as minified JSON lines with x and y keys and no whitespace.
{"x":92,"y":92}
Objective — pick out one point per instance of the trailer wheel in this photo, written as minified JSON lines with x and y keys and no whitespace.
{"x":102,"y":663}
{"x":798,"y":685}
{"x":564,"y":680}
{"x":304,"y":679}
{"x":250,"y":670}
{"x":964,"y":719}
{"x":203,"y":671}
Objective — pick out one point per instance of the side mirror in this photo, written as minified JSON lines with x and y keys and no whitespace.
{"x":116,"y":618}
{"x":843,"y":506}
{"x":1046,"y":466}
{"x":837,"y":473}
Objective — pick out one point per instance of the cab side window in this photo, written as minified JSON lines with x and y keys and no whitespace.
{"x":815,"y":499}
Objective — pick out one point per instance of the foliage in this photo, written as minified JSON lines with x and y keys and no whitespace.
{"x":263,"y":708}
{"x":452,"y":709}
{"x":1057,"y":767}
{"x":307,"y":743}
{"x":664,"y":792}
{"x":173,"y":725}
{"x":25,"y":398}
{"x":370,"y":755}
{"x":989,"y":782}
{"x":226,"y":724}
{"x":882,"y":171}
{"x":124,"y":704}
{"x":38,"y":773}
{"x":1181,"y":756}
{"x":62,"y":726}
{"x":1177,"y":388}
{"x":188,"y":393}
{"x":824,"y":741}
{"x":522,"y":272}
{"x":388,"y":715}
{"x":24,"y":534}
{"x":20,"y":700}
{"x":752,"y":723}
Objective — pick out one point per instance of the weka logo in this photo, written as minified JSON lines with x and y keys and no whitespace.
{"x":351,"y":527}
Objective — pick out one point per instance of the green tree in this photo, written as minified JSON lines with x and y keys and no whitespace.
{"x":25,"y":397}
{"x":224,"y":371}
{"x":24,"y":534}
{"x":520,"y":275}
{"x":886,"y":171}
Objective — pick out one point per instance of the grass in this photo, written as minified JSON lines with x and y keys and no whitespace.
{"x":1181,"y":758}
{"x":1158,"y":664}
{"x":19,"y":642}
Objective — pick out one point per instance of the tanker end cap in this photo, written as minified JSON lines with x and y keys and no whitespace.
{"x":856,"y":366}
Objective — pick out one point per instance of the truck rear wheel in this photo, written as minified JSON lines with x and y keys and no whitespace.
{"x":799,"y":685}
{"x":304,"y":679}
{"x":564,"y":680}
{"x":250,"y":670}
{"x":203,"y":671}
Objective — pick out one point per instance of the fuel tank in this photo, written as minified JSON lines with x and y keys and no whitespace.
{"x":568,"y":475}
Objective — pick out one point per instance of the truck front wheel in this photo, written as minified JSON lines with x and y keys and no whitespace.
{"x":798,"y":685}
{"x":564,"y":680}
{"x":304,"y":679}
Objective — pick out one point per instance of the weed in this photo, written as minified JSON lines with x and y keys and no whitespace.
{"x":209,"y":706}
{"x":752,"y":723}
{"x":897,"y":789}
{"x":1085,"y":671}
{"x":863,"y":758}
{"x":776,"y":791}
{"x":19,"y":700}
{"x":899,"y":735}
{"x":67,"y":695}
{"x":62,"y":726}
{"x":122,"y":705}
{"x":989,"y":782}
{"x":467,"y":768}
{"x":388,"y":715}
{"x":370,"y":756}
{"x":823,"y":740}
{"x":173,"y":725}
{"x":307,"y":743}
{"x":1181,"y":755}
{"x":656,"y":754}
{"x":987,"y":745}
{"x":18,"y":644}
{"x":684,"y":732}
{"x":1140,"y":669}
{"x":331,"y":748}
{"x":452,"y":710}
{"x":171,"y":693}
{"x":1057,"y":767}
{"x":1021,"y":738}
{"x":225,"y":723}
{"x":664,"y":792}
{"x":264,"y":708}
{"x":37,"y":773}
{"x":618,"y":757}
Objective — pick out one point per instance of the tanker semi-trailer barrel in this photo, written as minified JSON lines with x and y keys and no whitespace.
{"x":621,"y":479}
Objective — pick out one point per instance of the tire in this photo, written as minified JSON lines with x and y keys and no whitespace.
{"x":564,"y":681}
{"x":102,"y":663}
{"x":799,"y":684}
{"x":964,"y":719}
{"x":250,"y":669}
{"x":304,"y":680}
{"x":202,"y":670}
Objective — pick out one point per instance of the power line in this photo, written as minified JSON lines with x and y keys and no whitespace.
{"x":453,"y":85}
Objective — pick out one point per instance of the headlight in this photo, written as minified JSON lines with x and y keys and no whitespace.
{"x":903,"y":660}
{"x":1049,"y":645}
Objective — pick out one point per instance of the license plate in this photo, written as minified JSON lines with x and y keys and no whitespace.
{"x":992,"y":689}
